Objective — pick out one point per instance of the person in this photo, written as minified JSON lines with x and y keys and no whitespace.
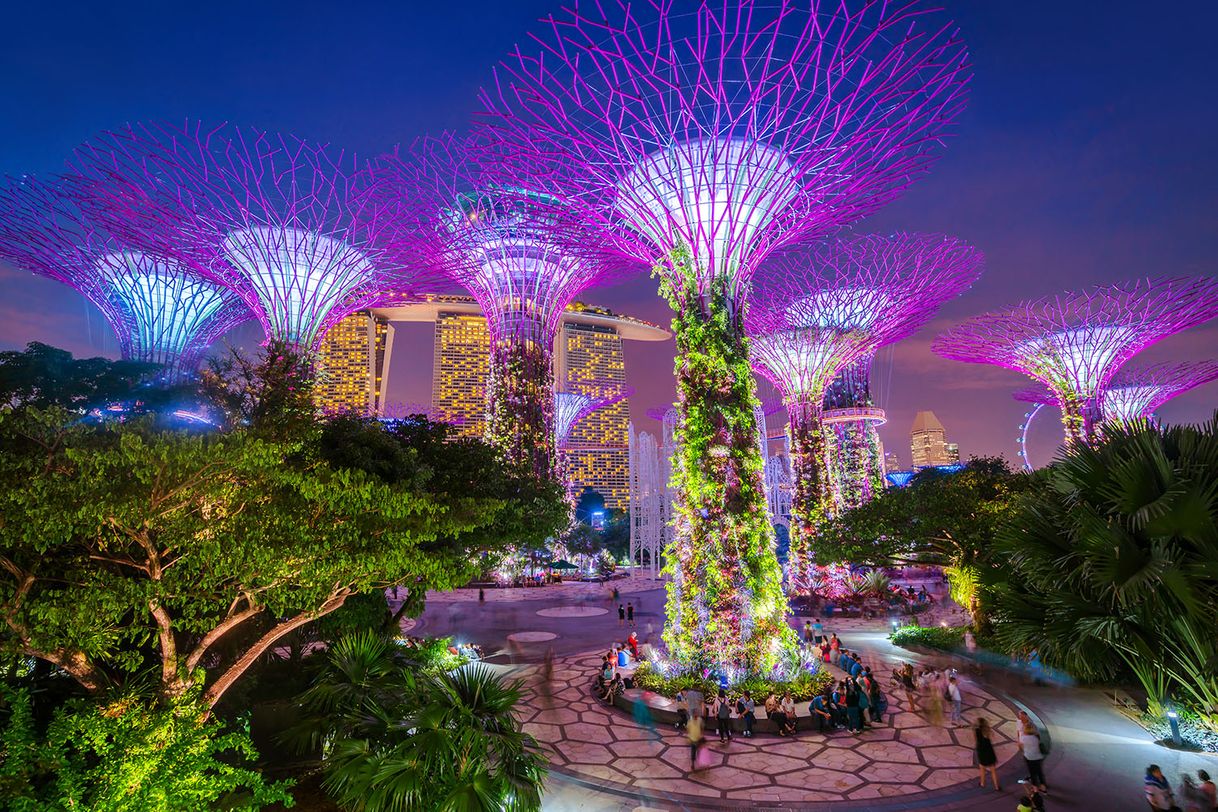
{"x":481,"y":595}
{"x":723,"y":717}
{"x":1029,"y":742}
{"x":617,"y":595}
{"x":1158,"y":791}
{"x":970,"y":642}
{"x":693,"y":732}
{"x":906,"y":678}
{"x":745,"y":707}
{"x":929,"y":691}
{"x":774,"y":712}
{"x":621,"y":615}
{"x":630,"y":614}
{"x":1208,"y":789}
{"x":643,"y":718}
{"x":953,"y":696}
{"x":835,"y":646}
{"x":1194,"y":799}
{"x":1032,"y":800}
{"x":788,"y":711}
{"x":615,"y":687}
{"x":633,"y":642}
{"x":818,"y":630}
{"x":987,"y":759}
{"x":820,"y":709}
{"x":807,"y":632}
{"x":854,"y":717}
{"x":682,"y":709}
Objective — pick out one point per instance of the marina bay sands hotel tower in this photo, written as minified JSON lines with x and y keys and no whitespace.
{"x":356,"y":355}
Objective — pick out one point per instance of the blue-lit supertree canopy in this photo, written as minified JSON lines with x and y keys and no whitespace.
{"x":161,"y":312}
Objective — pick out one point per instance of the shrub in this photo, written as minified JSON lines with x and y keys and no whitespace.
{"x":942,"y":637}
{"x":805,"y":686}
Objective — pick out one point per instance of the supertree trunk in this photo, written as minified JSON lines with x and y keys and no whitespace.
{"x":1074,"y":422}
{"x":520,"y":404}
{"x":810,"y":495}
{"x":725,"y":602}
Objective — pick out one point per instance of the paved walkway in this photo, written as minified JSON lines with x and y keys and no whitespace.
{"x":1096,"y":764}
{"x":566,"y":591}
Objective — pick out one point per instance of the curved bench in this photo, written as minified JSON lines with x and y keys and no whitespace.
{"x":664,"y":711}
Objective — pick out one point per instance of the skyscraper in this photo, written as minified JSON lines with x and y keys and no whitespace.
{"x":587,"y":353}
{"x":351,"y":364}
{"x":598,"y":452}
{"x":928,"y":443}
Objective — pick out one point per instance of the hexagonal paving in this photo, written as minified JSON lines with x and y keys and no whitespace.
{"x":585,"y":738}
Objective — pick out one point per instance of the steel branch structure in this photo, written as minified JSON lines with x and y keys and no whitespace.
{"x":290,"y":225}
{"x":820,"y":312}
{"x":161,"y":312}
{"x":1074,"y":343}
{"x":1134,"y":393}
{"x":701,"y":141}
{"x":524,"y":256}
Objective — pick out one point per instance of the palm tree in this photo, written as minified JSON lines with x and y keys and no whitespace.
{"x":1113,"y":568}
{"x":398,"y":737}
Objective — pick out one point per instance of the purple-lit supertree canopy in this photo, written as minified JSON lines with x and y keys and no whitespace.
{"x":289,"y":225}
{"x":817,"y":313}
{"x":702,"y":137}
{"x":161,"y":312}
{"x":942,"y":268}
{"x":1134,"y":393}
{"x":524,"y":256}
{"x":1074,"y":343}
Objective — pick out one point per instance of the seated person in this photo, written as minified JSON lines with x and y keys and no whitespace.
{"x":682,"y":709}
{"x":633,"y":642}
{"x":822,"y":712}
{"x":613,"y":689}
{"x":773,"y":711}
{"x":788,"y":711}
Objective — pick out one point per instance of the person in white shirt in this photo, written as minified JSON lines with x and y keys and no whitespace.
{"x":953,"y":694}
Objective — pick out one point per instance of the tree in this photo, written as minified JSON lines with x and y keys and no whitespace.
{"x":400,"y":737}
{"x":948,"y":519}
{"x":123,"y":546}
{"x":42,"y":376}
{"x":126,"y":755}
{"x":1113,"y":569}
{"x":270,"y":393}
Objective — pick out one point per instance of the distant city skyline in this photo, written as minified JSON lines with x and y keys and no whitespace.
{"x":1074,"y":165}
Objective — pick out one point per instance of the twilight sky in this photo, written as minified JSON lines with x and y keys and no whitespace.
{"x":1087,"y":154}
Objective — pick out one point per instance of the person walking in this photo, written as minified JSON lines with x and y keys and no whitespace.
{"x":807,"y":632}
{"x":1208,"y":789}
{"x":1194,"y":799}
{"x":630,"y":614}
{"x":746,"y":708}
{"x":906,"y":677}
{"x":1158,"y":791}
{"x":987,"y":759}
{"x":723,"y":717}
{"x":1033,"y":756}
{"x":957,"y":701}
{"x":621,"y":615}
{"x":693,"y":731}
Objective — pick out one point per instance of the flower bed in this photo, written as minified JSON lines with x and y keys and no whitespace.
{"x":803,"y":687}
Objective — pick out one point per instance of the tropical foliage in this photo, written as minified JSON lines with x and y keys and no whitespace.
{"x":1114,"y":569}
{"x":804,"y":686}
{"x":943,"y":637}
{"x":399,"y":735}
{"x":126,"y":755}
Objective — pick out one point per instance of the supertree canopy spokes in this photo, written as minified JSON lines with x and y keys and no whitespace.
{"x":524,"y":255}
{"x":1074,"y":343}
{"x":701,"y":142}
{"x":290,"y":225}
{"x":161,"y":312}
{"x":1135,"y":392}
{"x":821,"y":313}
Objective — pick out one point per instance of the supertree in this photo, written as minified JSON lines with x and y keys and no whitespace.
{"x":942,"y":268}
{"x":702,"y":141}
{"x":524,"y":256}
{"x":819,"y":311}
{"x":1134,"y":393}
{"x":161,"y":312}
{"x":287,"y":224}
{"x":1074,"y":343}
